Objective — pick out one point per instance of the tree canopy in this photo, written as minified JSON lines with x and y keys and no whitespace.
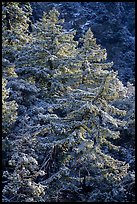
{"x":68,"y":146}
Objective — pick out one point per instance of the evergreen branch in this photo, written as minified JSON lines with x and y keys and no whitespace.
{"x":101,"y":89}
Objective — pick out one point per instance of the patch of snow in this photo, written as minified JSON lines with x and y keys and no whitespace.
{"x":87,"y":23}
{"x":76,"y":14}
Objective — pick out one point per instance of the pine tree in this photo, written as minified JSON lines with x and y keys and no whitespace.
{"x":85,"y":133}
{"x":72,"y":149}
{"x":15,"y":23}
{"x":52,"y":51}
{"x":14,"y":34}
{"x":15,"y":19}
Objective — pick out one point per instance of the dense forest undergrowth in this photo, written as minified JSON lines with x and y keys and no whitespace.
{"x":68,"y":121}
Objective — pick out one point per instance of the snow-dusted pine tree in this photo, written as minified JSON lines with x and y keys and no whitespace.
{"x":15,"y":24}
{"x":15,"y":34}
{"x":82,"y":123}
{"x":72,"y":149}
{"x":51,"y":51}
{"x":15,"y":19}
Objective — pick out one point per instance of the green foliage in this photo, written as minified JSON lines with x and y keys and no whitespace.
{"x":14,"y":36}
{"x":9,"y":108}
{"x":128,"y":104}
{"x":51,"y":53}
{"x":8,"y":69}
{"x":73,"y":142}
{"x":14,"y":28}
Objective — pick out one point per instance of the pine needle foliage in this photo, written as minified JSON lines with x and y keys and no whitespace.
{"x":71,"y":152}
{"x":15,"y":24}
{"x":52,"y":50}
{"x":9,"y":108}
{"x":15,"y":34}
